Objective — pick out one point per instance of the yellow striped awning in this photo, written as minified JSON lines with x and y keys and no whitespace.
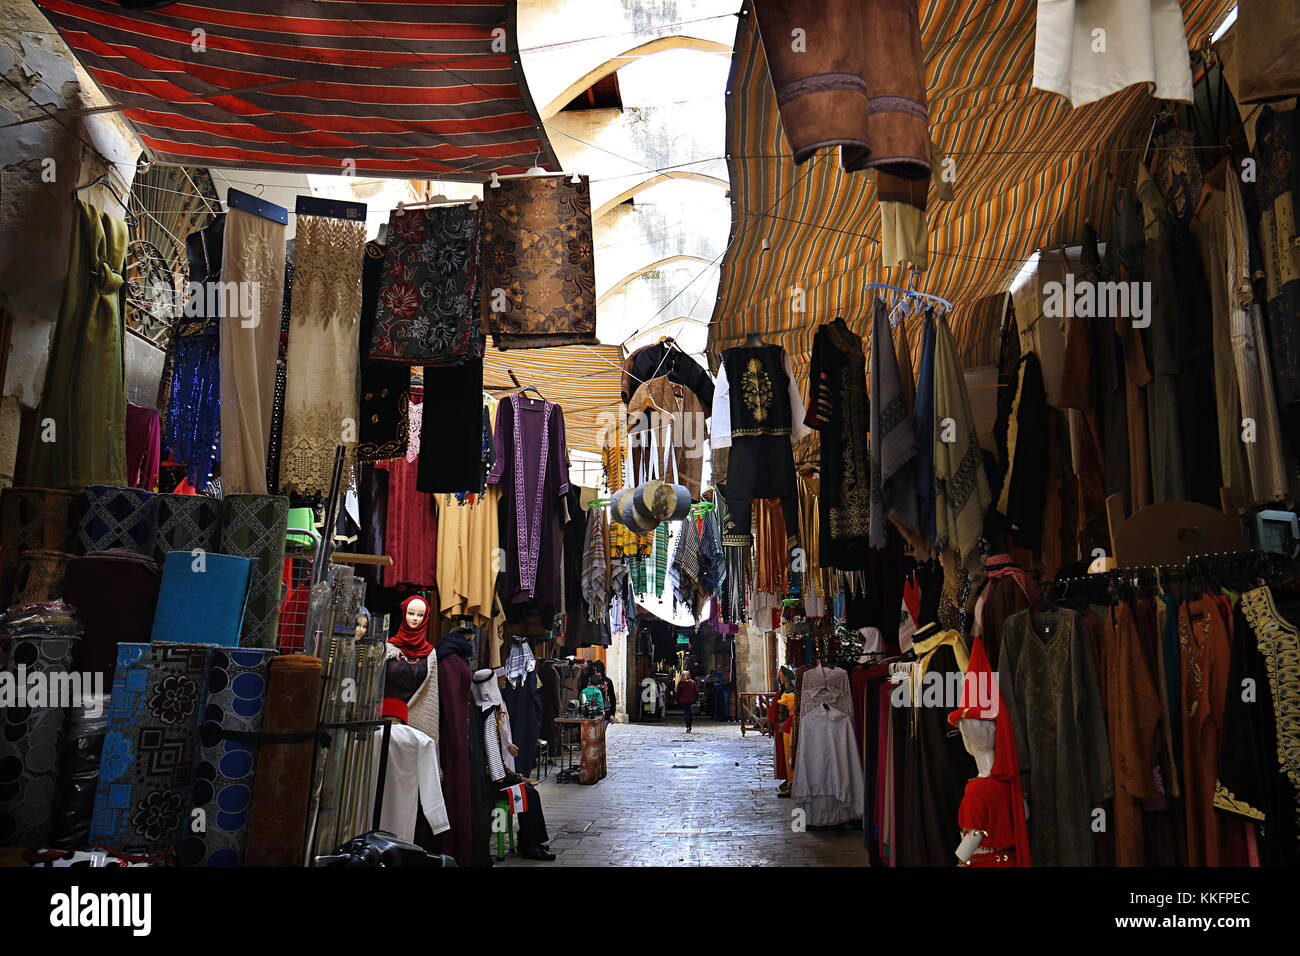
{"x":1029,"y":171}
{"x":583,"y":380}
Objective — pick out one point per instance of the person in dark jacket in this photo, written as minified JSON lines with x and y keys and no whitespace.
{"x":687,"y":691}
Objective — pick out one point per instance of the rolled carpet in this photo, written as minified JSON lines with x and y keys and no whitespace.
{"x":115,"y":593}
{"x":202,"y":598}
{"x":33,"y":519}
{"x":254,"y":526}
{"x":277,"y":820}
{"x":223,"y":776}
{"x":146,"y":768}
{"x":114,"y":517}
{"x":30,"y":739}
{"x":186,"y":522}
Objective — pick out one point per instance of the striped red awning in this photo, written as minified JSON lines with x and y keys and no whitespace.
{"x":400,"y":88}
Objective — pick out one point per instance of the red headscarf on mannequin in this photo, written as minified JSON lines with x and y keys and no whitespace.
{"x":413,"y":641}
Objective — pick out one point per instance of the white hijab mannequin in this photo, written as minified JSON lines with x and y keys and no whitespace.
{"x":980,"y":738}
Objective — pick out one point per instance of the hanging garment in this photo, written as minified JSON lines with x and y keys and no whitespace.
{"x":1265,"y":34}
{"x":255,"y":527}
{"x":850,"y":74}
{"x":828,"y":784}
{"x":903,"y":358}
{"x":539,"y":263}
{"x":933,"y":764}
{"x":1265,"y":455}
{"x":384,"y":427}
{"x":143,"y":447}
{"x":320,"y":410}
{"x":757,"y":410}
{"x":429,"y":302}
{"x":1009,"y":590}
{"x":1024,"y":489}
{"x":253,"y":259}
{"x":1259,"y":762}
{"x":893,"y":442}
{"x":651,"y":361}
{"x":85,"y":397}
{"x":1206,"y":656}
{"x":1047,"y":676}
{"x":453,"y":430}
{"x":532,"y":470}
{"x":961,"y":489}
{"x":158,"y":698}
{"x":838,"y":410}
{"x":466,"y":564}
{"x":454,"y":745}
{"x":904,"y":238}
{"x":223,"y":786}
{"x":276,"y":440}
{"x":1140,"y":41}
{"x":193,"y":419}
{"x":411,"y":532}
{"x":923,"y":428}
{"x":1276,"y":145}
{"x":277,"y":814}
{"x":673,"y":415}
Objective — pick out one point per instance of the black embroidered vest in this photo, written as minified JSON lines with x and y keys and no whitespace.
{"x":760,"y":391}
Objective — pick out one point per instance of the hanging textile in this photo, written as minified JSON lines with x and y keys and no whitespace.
{"x":277,"y":815}
{"x":1024,"y":487}
{"x":1144,"y":42}
{"x":453,"y":430}
{"x":34,"y":519}
{"x":411,"y":532}
{"x":320,"y":405}
{"x":385,"y":388}
{"x":838,"y":410}
{"x":115,"y":593}
{"x":671,"y":419}
{"x":428,"y":310}
{"x":253,"y":259}
{"x":223,"y":784}
{"x":31,"y":738}
{"x":467,"y":561}
{"x":828,"y":782}
{"x":961,"y":489}
{"x":143,"y":447}
{"x":1277,"y":142}
{"x":1206,"y":647}
{"x":254,"y":527}
{"x":116,"y":518}
{"x":1266,"y":35}
{"x":923,"y":428}
{"x":662,"y":358}
{"x":193,"y":419}
{"x":186,"y":522}
{"x":532,"y":469}
{"x":276,"y":442}
{"x":85,"y":397}
{"x":893,"y":442}
{"x":857,"y":83}
{"x":147,"y":765}
{"x":537,"y":249}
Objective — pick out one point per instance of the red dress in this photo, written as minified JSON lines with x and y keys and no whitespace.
{"x":988,"y":805}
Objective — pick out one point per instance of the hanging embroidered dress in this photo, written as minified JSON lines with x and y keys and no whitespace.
{"x":320,"y":408}
{"x":532,"y":468}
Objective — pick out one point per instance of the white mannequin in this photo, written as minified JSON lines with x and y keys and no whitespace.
{"x":980,"y":738}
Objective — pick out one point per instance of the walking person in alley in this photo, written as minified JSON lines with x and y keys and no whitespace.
{"x":687,"y":691}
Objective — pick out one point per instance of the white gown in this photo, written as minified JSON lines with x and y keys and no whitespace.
{"x":828,"y":776}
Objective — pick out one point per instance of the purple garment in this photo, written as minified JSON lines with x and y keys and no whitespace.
{"x":143,"y":447}
{"x":532,"y":468}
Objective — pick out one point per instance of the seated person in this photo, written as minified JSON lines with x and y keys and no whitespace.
{"x":591,"y":695}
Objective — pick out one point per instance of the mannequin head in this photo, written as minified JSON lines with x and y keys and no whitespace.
{"x":980,"y":738}
{"x":416,"y":611}
{"x":363,"y":623}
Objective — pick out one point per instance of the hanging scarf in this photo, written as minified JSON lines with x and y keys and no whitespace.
{"x":923,"y":428}
{"x":961,"y":490}
{"x":413,"y":641}
{"x":521,"y":660}
{"x":893,"y":442}
{"x":1003,"y":565}
{"x":529,"y":530}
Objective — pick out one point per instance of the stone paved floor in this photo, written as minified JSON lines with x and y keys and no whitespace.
{"x":707,"y":798}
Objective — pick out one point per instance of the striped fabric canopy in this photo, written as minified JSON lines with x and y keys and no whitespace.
{"x":585,"y":381}
{"x":400,"y":88}
{"x":1029,"y":171}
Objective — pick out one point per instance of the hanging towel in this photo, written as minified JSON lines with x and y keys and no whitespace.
{"x":85,"y":399}
{"x":893,"y":442}
{"x":147,"y":765}
{"x":223,"y":774}
{"x":961,"y":488}
{"x":202,"y":598}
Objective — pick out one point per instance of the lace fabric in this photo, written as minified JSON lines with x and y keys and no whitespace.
{"x":321,"y":406}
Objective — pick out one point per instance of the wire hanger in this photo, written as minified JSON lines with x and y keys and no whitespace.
{"x":103,"y":180}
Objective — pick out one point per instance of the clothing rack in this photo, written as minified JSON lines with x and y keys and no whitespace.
{"x":1264,"y":564}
